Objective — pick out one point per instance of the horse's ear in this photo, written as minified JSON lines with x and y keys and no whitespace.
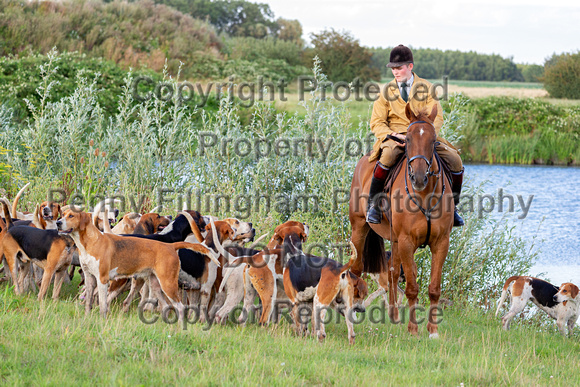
{"x":433,"y":114}
{"x":409,"y":113}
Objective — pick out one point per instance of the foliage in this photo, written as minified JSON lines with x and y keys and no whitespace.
{"x":342,"y":56}
{"x":520,"y":130}
{"x":136,"y":34}
{"x":290,"y":30}
{"x":234,"y":17}
{"x":253,"y":49}
{"x":531,"y":72}
{"x":434,"y":64}
{"x":562,"y":75}
{"x":19,"y":77}
{"x":70,"y":144}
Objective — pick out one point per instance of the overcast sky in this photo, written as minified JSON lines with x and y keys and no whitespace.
{"x":529,"y":31}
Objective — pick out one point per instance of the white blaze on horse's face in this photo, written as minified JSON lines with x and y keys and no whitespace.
{"x":420,"y":147}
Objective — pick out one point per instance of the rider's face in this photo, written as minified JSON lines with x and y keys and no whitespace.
{"x":403,"y":73}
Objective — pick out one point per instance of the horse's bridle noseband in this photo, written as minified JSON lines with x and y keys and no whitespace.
{"x":421,"y":157}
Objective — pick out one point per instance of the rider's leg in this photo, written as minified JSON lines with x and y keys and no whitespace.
{"x":457,"y":178}
{"x":448,"y":153}
{"x":389,"y":154}
{"x":374,"y":214}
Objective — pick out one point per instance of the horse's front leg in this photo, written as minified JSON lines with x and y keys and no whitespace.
{"x":406,"y":250}
{"x":393,"y":273}
{"x":439,"y":252}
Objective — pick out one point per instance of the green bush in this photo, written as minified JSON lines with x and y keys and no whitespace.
{"x":562,"y":76}
{"x":253,"y":49}
{"x":133,"y":34}
{"x":20,"y":77}
{"x":531,"y":72}
{"x":342,"y":57}
{"x":520,"y":130}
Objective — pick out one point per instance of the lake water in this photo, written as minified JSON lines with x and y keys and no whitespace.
{"x":553,"y":215}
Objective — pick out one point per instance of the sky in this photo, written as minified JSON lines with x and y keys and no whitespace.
{"x":529,"y":31}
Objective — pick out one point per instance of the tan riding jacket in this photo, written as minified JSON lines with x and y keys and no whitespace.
{"x":389,"y":113}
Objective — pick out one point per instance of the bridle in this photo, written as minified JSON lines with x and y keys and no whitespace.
{"x":409,"y":173}
{"x":421,"y":157}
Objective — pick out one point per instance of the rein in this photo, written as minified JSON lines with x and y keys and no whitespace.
{"x":409,"y":172}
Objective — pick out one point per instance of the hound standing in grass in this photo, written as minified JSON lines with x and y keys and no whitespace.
{"x":560,"y":303}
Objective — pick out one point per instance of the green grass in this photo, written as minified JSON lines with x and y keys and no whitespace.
{"x":55,"y":343}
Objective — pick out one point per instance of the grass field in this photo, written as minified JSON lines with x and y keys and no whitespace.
{"x":54,"y":343}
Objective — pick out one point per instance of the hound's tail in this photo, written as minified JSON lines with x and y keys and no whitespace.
{"x":504,"y":292}
{"x":16,"y":199}
{"x":352,"y":260}
{"x":8,"y":224}
{"x":199,"y":248}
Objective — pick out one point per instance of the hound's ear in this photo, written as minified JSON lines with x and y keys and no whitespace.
{"x":574,"y":291}
{"x":58,"y":210}
{"x":433,"y":113}
{"x":362,"y":287}
{"x":38,"y":220}
{"x":409,"y":113}
{"x":86,"y":220}
{"x":150,"y":226}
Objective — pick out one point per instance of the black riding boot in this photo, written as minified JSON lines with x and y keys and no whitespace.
{"x":457,"y":178}
{"x":374,"y":214}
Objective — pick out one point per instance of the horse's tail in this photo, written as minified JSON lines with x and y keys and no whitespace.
{"x":504,"y":292}
{"x":374,"y":257}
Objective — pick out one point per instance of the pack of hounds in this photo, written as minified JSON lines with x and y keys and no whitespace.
{"x":203,"y":262}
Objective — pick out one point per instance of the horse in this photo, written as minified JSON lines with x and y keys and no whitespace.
{"x":420,"y":216}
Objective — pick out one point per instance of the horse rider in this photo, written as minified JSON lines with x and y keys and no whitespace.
{"x":389,"y":118}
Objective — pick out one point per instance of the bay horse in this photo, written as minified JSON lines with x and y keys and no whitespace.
{"x":421,"y":207}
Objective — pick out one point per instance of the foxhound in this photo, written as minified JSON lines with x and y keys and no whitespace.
{"x":104,"y":257}
{"x":240,"y":281}
{"x":320,"y":281}
{"x":23,"y":245}
{"x":559,"y":303}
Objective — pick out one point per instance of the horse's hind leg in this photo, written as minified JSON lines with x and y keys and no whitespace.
{"x":439,"y":253}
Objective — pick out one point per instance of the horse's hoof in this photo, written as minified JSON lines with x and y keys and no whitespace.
{"x":434,"y":335}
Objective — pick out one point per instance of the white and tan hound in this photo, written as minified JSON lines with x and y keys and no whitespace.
{"x":559,"y":303}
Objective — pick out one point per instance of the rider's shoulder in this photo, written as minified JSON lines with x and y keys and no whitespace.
{"x":421,"y":81}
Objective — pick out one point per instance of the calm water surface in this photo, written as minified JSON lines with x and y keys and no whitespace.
{"x":553,"y":216}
